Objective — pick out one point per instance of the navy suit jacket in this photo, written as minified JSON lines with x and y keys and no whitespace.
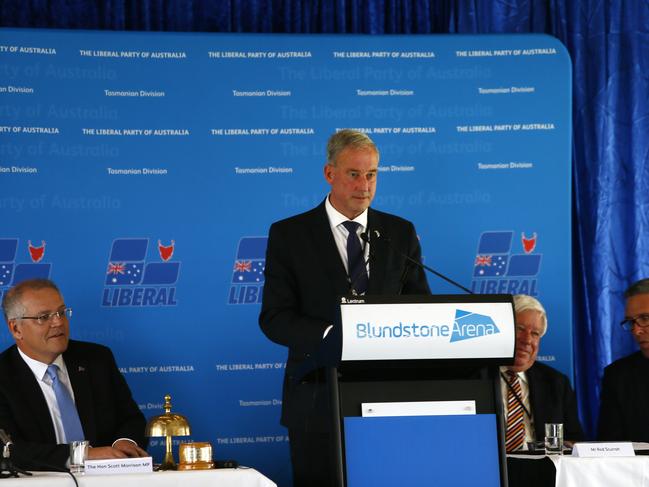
{"x":624,"y":403}
{"x":304,"y":277}
{"x":104,"y":403}
{"x":553,"y":401}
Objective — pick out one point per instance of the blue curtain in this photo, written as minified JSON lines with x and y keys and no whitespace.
{"x":609,"y":44}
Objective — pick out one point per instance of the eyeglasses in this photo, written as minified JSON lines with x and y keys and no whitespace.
{"x":46,"y":318}
{"x":641,"y":320}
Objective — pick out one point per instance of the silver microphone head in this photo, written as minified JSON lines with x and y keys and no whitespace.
{"x":5,"y":438}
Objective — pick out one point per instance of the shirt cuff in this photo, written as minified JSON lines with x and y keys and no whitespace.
{"x":120,"y":439}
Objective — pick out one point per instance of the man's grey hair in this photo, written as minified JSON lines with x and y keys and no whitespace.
{"x":523,"y":302}
{"x":12,"y":306}
{"x":638,"y":287}
{"x":345,"y":138}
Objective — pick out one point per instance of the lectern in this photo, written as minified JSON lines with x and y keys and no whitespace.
{"x":416,"y":392}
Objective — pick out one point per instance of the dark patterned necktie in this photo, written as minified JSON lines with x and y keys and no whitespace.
{"x":355,"y":259}
{"x":515,"y":435}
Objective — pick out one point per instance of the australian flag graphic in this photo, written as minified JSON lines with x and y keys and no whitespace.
{"x":250,"y":261}
{"x":493,"y":254}
{"x":127,"y":266}
{"x":494,"y":258}
{"x":248,"y":271}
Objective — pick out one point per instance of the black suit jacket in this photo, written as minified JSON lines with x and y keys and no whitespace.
{"x":553,"y":401}
{"x":624,"y":402}
{"x":104,"y":403}
{"x":305,"y":275}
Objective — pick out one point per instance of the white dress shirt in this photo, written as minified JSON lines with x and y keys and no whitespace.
{"x":340,"y":233}
{"x":39,"y":370}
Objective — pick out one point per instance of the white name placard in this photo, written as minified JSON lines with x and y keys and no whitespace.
{"x":119,"y":465}
{"x":427,"y":330}
{"x":417,"y":408}
{"x":616,"y":449}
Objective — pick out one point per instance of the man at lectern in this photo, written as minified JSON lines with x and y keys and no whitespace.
{"x":625,"y":386}
{"x":533,"y":393}
{"x":341,"y":247}
{"x":54,"y":390}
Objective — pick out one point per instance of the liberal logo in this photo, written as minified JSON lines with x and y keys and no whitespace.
{"x":499,"y":269}
{"x":472,"y":325}
{"x":133,"y":280}
{"x":13,"y":271}
{"x":248,"y":271}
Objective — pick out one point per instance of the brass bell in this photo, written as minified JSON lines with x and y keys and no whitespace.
{"x":168,"y":425}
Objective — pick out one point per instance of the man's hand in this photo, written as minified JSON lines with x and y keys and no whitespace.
{"x":129,"y":448}
{"x":120,"y":449}
{"x":104,"y":452}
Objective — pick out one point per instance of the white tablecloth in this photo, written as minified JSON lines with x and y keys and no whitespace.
{"x":602,"y":472}
{"x":226,"y":477}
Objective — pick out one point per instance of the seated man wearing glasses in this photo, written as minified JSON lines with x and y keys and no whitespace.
{"x":625,"y":386}
{"x":54,"y":390}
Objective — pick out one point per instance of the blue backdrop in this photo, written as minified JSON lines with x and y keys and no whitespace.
{"x":142,"y":171}
{"x":606,"y":41}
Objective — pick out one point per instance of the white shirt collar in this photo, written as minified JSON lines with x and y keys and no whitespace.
{"x":522,"y":376}
{"x":336,"y":218}
{"x":39,"y":368}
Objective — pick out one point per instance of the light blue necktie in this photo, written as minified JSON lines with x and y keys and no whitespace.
{"x":69,"y":416}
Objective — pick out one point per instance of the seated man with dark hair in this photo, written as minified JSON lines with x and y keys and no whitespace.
{"x":54,"y":390}
{"x":533,"y":393}
{"x":624,"y":400}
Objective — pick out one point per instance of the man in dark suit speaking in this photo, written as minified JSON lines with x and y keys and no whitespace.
{"x":54,"y":390}
{"x":533,"y":393}
{"x":340,"y":247}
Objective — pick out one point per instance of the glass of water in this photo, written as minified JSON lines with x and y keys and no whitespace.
{"x":554,"y":438}
{"x":78,"y":456}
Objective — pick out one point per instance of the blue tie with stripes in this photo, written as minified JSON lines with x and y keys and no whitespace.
{"x":355,"y":259}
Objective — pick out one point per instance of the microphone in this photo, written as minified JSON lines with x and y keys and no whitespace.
{"x":5,"y":438}
{"x":387,"y":240}
{"x":7,"y":468}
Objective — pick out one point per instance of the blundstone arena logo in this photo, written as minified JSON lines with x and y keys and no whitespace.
{"x":248,"y":271}
{"x":466,"y":325}
{"x":134,"y":278}
{"x":21,"y":262}
{"x":472,"y":325}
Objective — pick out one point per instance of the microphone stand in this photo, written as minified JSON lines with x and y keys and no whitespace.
{"x":7,"y":468}
{"x":366,"y":238}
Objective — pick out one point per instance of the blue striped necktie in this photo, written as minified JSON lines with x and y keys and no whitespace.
{"x":69,"y":416}
{"x":358,"y":278}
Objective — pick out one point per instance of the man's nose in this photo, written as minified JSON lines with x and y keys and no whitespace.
{"x":525,"y":337}
{"x":57,"y":320}
{"x":365,"y":184}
